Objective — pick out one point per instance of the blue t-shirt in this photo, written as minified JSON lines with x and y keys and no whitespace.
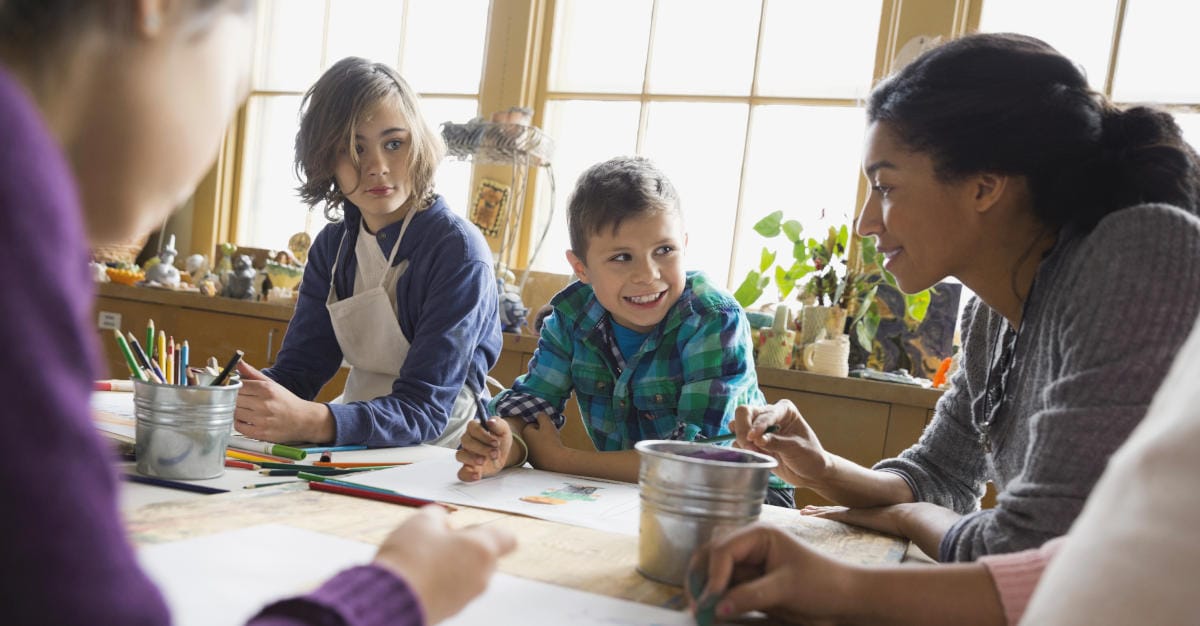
{"x":629,"y":341}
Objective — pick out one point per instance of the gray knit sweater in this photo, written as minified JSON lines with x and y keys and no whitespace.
{"x":1107,"y":314}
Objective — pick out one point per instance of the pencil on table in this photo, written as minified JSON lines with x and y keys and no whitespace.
{"x":241,"y":464}
{"x":261,"y":485}
{"x":255,"y":457}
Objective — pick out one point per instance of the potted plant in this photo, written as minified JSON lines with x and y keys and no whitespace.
{"x":822,"y":274}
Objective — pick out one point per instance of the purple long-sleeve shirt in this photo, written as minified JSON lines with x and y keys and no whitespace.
{"x":61,"y":538}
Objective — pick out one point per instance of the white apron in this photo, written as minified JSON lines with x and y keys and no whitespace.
{"x":368,"y":331}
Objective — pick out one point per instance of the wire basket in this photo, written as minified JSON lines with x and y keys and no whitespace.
{"x":498,"y":143}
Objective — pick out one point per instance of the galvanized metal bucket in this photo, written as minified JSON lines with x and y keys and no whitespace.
{"x":182,"y":431}
{"x":691,"y":491}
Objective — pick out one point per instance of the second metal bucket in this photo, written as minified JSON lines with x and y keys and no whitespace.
{"x":690,"y":491}
{"x":182,"y":431}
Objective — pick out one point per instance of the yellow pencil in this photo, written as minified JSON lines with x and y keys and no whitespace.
{"x":160,"y":353}
{"x":253,"y":458}
{"x":170,"y":369}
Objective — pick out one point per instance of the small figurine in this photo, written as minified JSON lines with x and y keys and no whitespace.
{"x":164,"y":273}
{"x":239,"y":282}
{"x":512,"y":309}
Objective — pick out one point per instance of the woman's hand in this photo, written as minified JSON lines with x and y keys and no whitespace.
{"x":268,"y":412}
{"x":802,"y":460}
{"x":765,"y":568}
{"x":445,"y":568}
{"x":482,"y":452}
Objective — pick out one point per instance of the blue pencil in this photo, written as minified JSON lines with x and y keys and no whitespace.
{"x":172,"y":484}
{"x":183,"y":363}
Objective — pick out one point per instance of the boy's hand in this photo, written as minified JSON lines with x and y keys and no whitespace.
{"x":484,"y":453}
{"x":545,"y":442}
{"x":267,"y":411}
{"x":445,"y":568}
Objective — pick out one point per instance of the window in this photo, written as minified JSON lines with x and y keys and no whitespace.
{"x":436,"y":44}
{"x":1132,"y":50}
{"x":749,"y":107}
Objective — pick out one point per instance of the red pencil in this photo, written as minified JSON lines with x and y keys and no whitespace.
{"x":346,"y":464}
{"x":375,"y":495}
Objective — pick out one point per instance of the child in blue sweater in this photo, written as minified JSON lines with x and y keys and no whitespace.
{"x":397,"y":285}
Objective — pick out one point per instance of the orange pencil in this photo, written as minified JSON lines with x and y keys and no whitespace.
{"x":346,"y":465}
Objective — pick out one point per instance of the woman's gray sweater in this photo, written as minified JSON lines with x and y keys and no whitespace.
{"x":1108,"y":311}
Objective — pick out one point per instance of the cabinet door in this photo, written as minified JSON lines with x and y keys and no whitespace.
{"x":219,"y":334}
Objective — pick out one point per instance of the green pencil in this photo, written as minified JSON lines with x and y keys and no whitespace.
{"x":134,"y":369}
{"x":261,"y":485}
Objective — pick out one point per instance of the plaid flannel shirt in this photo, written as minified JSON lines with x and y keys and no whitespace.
{"x":684,"y":382}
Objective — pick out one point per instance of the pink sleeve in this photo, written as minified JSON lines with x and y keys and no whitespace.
{"x":1017,"y":574}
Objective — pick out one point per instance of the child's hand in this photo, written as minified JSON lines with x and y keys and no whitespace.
{"x":445,"y":568}
{"x":544,"y":441}
{"x":484,"y":453}
{"x":267,"y":411}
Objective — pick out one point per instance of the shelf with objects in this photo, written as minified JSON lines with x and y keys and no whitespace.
{"x":507,"y":140}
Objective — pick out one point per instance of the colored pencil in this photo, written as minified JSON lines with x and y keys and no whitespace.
{"x":160,"y":352}
{"x":112,"y":385}
{"x":184,"y":355}
{"x":131,"y":362}
{"x":150,"y":334}
{"x":266,"y":447}
{"x":316,"y":449}
{"x":147,"y":363}
{"x":393,"y":498}
{"x":223,"y":377}
{"x":320,"y":471}
{"x":172,"y":484}
{"x":341,"y":465}
{"x":241,"y":464}
{"x":261,"y":485}
{"x":170,"y":359}
{"x":255,"y":458}
{"x":730,"y":437}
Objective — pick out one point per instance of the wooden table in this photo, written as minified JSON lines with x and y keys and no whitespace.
{"x":580,"y":558}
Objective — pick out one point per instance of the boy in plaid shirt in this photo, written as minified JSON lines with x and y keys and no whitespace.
{"x":651,"y":351}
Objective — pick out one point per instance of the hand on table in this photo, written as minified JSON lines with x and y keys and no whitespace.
{"x":483,"y":453}
{"x":803,"y":462}
{"x":268,"y":412}
{"x":445,"y":568}
{"x":766,"y":568}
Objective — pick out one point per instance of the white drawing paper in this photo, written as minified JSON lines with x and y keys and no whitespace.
{"x":610,"y":506}
{"x":226,"y":578}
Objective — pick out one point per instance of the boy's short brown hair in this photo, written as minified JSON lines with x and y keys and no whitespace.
{"x":612,"y":191}
{"x":330,"y":111}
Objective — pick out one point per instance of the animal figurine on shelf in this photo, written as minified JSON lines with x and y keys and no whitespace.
{"x":239,"y":282}
{"x":208,"y":283}
{"x":164,"y":273}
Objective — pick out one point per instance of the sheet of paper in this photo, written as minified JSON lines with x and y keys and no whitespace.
{"x":113,"y":413}
{"x":225,"y":578}
{"x":600,"y":504}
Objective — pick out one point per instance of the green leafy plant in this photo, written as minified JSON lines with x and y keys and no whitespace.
{"x":820,"y":272}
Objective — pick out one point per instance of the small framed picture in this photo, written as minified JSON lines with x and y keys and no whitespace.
{"x":490,"y":205}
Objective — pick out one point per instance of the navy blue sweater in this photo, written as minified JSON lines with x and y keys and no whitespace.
{"x":447,"y":312}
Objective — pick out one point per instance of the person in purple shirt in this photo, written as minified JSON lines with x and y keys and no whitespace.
{"x":110,"y":113}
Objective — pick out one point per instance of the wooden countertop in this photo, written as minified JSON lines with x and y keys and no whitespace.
{"x":768,"y":377}
{"x":193,"y":300}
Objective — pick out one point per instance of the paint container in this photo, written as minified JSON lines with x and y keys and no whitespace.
{"x":690,"y":493}
{"x":182,"y":431}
